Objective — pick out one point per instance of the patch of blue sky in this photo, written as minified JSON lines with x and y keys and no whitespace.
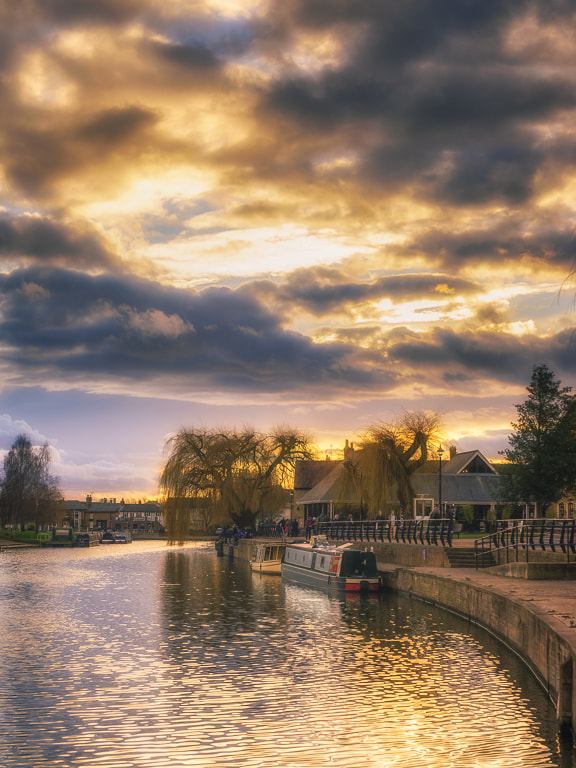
{"x":172,"y":224}
{"x":186,"y":209}
{"x":228,"y":35}
{"x":552,"y":301}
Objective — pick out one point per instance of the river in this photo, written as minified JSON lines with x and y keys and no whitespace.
{"x":148,"y":656}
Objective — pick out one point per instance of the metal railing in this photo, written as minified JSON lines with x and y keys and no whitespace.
{"x":436,"y":532}
{"x":526,"y":536}
{"x":269,"y":531}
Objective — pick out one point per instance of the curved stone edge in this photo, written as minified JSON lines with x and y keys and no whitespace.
{"x":538,"y":640}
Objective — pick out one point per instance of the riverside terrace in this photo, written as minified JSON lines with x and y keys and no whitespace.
{"x":528,"y":601}
{"x":509,"y":539}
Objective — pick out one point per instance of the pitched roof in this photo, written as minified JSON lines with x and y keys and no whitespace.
{"x":103,"y":506}
{"x":462,"y":483}
{"x":308,"y":473}
{"x":468,"y":462}
{"x":328,"y":489}
{"x":74,"y":504}
{"x":147,"y":506}
{"x":459,"y":489}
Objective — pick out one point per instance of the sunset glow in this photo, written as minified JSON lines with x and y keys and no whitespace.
{"x":264,"y":213}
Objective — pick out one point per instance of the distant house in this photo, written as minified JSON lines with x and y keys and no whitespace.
{"x":307,"y":475}
{"x":566,"y":508}
{"x":143,"y":517}
{"x":466,"y":479}
{"x":89,"y":514}
{"x":72,"y":514}
{"x":102,"y":514}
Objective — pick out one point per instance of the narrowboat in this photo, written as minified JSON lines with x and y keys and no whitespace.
{"x":268,"y":558}
{"x":90,"y":539}
{"x":340,"y":568}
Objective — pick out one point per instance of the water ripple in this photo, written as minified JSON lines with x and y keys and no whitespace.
{"x":156,"y":657}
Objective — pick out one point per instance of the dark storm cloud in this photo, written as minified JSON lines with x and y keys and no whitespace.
{"x":73,"y":11}
{"x":473,"y":356}
{"x":36,"y":157}
{"x":510,"y":239}
{"x":436,"y":104}
{"x":29,"y":239}
{"x":464,"y":141}
{"x":505,"y":173}
{"x":114,"y":127}
{"x":322,"y":290}
{"x":450,"y":110}
{"x":423,"y":21}
{"x":335,"y":99}
{"x":115,"y":326}
{"x":563,"y":353}
{"x":422,"y":99}
{"x":193,"y":56}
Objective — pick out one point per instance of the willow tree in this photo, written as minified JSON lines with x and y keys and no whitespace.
{"x":390,"y":455}
{"x":234,"y":472}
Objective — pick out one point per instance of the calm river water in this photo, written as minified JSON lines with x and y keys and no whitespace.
{"x":149,"y":656}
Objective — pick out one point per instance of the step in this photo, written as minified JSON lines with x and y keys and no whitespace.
{"x":466,"y":558}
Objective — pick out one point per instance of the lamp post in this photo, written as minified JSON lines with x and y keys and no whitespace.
{"x":440,"y":452}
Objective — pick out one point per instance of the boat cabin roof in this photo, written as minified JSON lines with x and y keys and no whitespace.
{"x":320,"y":544}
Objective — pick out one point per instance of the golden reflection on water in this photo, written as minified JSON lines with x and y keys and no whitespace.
{"x":150,"y":657}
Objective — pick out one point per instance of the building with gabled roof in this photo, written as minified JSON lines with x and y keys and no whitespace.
{"x":144,"y":516}
{"x":307,"y":475}
{"x":467,"y":479}
{"x":89,"y":514}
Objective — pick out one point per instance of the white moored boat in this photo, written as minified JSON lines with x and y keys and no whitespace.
{"x":268,"y":558}
{"x":320,"y":565}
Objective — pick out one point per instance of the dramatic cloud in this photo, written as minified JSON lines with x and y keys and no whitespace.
{"x":281,"y":211}
{"x":35,"y":239}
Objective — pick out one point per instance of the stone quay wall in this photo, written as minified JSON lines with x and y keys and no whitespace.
{"x":540,"y":641}
{"x":546,"y":645}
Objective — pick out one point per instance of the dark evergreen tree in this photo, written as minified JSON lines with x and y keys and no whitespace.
{"x":28,"y":492}
{"x":542,"y":453}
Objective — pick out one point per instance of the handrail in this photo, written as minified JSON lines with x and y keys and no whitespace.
{"x":435,"y":532}
{"x":269,"y":531}
{"x":527,"y":535}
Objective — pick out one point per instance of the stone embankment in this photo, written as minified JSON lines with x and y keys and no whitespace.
{"x":531,"y":607}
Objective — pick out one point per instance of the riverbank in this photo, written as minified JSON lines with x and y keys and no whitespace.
{"x":526,"y":606}
{"x":535,"y":618}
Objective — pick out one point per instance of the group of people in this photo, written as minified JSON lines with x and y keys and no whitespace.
{"x":284,"y":528}
{"x":233,"y":533}
{"x":311,"y":523}
{"x":288,"y":528}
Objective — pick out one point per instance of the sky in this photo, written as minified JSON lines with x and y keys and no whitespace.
{"x":318,"y":214}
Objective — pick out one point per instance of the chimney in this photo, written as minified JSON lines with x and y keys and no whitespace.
{"x":348,"y":449}
{"x":452,"y":451}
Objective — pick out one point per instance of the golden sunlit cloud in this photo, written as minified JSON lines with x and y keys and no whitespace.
{"x":239,"y":253}
{"x":271,"y":211}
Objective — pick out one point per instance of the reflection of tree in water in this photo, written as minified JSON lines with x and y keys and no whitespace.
{"x":248,"y":650}
{"x":208,"y":604}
